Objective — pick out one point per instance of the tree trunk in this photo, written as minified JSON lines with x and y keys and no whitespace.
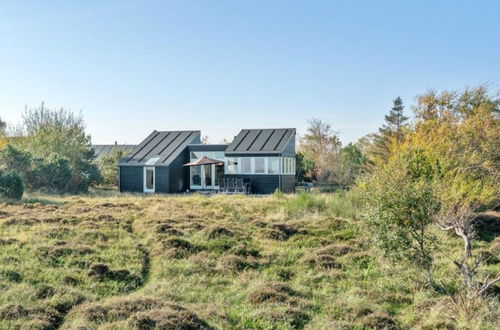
{"x":467,"y":245}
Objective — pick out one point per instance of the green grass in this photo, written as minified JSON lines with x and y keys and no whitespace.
{"x":109,"y":261}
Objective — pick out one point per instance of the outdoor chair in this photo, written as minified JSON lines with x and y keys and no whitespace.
{"x":222,"y":185}
{"x":230,"y":185}
{"x":240,"y":187}
{"x":248,"y":185}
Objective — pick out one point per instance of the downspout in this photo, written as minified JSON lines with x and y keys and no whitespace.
{"x":280,"y":173}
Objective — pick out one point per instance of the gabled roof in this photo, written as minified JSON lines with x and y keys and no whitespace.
{"x":165,"y":146}
{"x":269,"y":140}
{"x":103,"y":150}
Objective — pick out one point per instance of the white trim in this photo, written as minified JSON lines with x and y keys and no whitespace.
{"x":146,"y":190}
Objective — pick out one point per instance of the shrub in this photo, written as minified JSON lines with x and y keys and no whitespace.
{"x":402,"y":202}
{"x":11,"y":185}
{"x":304,"y":202}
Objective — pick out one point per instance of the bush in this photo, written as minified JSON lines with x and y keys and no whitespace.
{"x":11,"y":185}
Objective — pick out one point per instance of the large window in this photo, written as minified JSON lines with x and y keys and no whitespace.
{"x":288,"y":165}
{"x":232,"y":165}
{"x":210,"y":154}
{"x":260,"y":165}
{"x":273,"y":165}
{"x":246,"y":165}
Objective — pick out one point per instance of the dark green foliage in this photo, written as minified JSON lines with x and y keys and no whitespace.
{"x":304,"y":168}
{"x":11,"y":185}
{"x":395,"y":121}
{"x":52,"y":174}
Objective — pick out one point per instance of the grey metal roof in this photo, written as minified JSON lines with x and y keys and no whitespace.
{"x":269,"y":140}
{"x":164,"y":145}
{"x":103,"y":150}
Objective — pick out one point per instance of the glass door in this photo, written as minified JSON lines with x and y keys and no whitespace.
{"x":208,"y":177}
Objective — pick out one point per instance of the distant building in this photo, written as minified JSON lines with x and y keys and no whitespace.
{"x":263,"y":158}
{"x":103,"y":150}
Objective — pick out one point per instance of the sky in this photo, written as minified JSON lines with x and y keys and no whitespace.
{"x":220,"y":66}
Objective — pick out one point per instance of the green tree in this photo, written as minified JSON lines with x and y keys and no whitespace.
{"x":392,"y":131}
{"x":61,"y":134}
{"x":11,"y":185}
{"x":462,"y":130}
{"x":319,"y":147}
{"x":109,"y":167}
{"x":348,"y":165}
{"x":51,"y":174}
{"x":402,"y":203}
{"x":304,"y":168}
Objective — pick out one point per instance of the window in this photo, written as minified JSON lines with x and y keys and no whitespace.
{"x":288,"y":166}
{"x":273,"y":165}
{"x":260,"y":165}
{"x":232,"y":165}
{"x":195,"y":175}
{"x":219,"y":155}
{"x":152,"y":160}
{"x":246,"y":165}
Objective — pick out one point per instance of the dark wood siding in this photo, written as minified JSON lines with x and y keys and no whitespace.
{"x":178,"y":174}
{"x":161,"y":179}
{"x":261,"y":184}
{"x":131,"y":178}
{"x":288,"y":183}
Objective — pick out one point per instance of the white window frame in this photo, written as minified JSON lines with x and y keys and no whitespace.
{"x":146,"y":190}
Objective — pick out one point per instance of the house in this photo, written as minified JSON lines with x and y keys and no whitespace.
{"x":265,"y":158}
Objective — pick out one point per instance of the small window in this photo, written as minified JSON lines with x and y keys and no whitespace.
{"x":260,"y":165}
{"x":152,"y":160}
{"x":246,"y":165}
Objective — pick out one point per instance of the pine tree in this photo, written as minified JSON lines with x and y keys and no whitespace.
{"x":392,"y":129}
{"x":395,"y":121}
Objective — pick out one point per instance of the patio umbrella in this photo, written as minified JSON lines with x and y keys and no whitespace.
{"x":205,"y":161}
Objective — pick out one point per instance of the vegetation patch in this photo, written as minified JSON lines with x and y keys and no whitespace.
{"x":272,"y":292}
{"x":279,"y":231}
{"x":217,"y":231}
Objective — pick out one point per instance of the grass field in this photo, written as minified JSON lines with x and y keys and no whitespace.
{"x":224,"y":262}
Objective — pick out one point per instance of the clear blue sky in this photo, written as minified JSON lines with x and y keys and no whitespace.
{"x":222,"y":65}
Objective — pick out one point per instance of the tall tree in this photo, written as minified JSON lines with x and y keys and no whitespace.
{"x":319,"y":146}
{"x":392,"y":131}
{"x":395,"y":121}
{"x":62,"y":134}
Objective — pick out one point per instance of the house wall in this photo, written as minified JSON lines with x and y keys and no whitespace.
{"x":261,"y":184}
{"x":162,"y":179}
{"x":178,"y":174}
{"x":288,"y":183}
{"x":131,"y":178}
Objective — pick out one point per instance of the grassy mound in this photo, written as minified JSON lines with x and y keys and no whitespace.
{"x":224,"y":262}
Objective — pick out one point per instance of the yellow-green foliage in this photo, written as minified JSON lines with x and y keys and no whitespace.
{"x":196,"y":262}
{"x":461,"y":130}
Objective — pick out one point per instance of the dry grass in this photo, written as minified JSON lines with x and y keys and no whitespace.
{"x":226,"y":262}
